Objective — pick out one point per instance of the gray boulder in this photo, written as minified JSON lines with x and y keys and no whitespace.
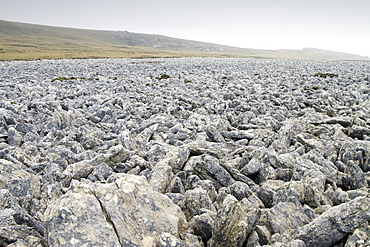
{"x":208,"y":167}
{"x":126,"y":212}
{"x":235,"y":221}
{"x":332,"y":226}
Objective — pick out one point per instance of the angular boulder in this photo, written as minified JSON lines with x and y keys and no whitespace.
{"x":127,"y":212}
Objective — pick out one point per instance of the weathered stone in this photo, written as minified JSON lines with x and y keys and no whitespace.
{"x":240,"y":190}
{"x":196,"y":200}
{"x":175,"y":156}
{"x":126,"y":212}
{"x":286,"y":195}
{"x":240,"y":177}
{"x":208,"y":167}
{"x":17,"y":227}
{"x":354,"y":177}
{"x":192,"y":240}
{"x":261,"y":159}
{"x":161,"y":176}
{"x":214,"y":135}
{"x":83,"y":168}
{"x":287,"y":217}
{"x":268,"y":189}
{"x":358,"y":132}
{"x":208,"y":186}
{"x":123,"y":167}
{"x":218,"y":150}
{"x":333,"y":225}
{"x":100,"y":173}
{"x":13,"y":137}
{"x":267,"y":173}
{"x":239,"y":134}
{"x":202,"y":226}
{"x":310,"y":141}
{"x":144,"y":137}
{"x":339,"y":197}
{"x":359,"y":237}
{"x":235,"y":221}
{"x":253,"y":240}
{"x":264,"y":235}
{"x":176,"y":186}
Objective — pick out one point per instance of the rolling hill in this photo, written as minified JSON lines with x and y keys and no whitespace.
{"x":21,"y":41}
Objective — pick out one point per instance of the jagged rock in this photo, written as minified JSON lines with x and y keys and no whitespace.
{"x":126,"y":212}
{"x":218,"y":150}
{"x":208,"y":167}
{"x":361,"y":236}
{"x":310,"y":141}
{"x":235,"y":221}
{"x":239,"y":134}
{"x":267,"y":173}
{"x":18,"y":181}
{"x":240,"y":190}
{"x":19,"y":228}
{"x":100,"y":173}
{"x":202,"y":226}
{"x":175,"y":156}
{"x":358,"y":132}
{"x":214,"y":135}
{"x":176,"y":186}
{"x":13,"y":137}
{"x":325,"y":166}
{"x":240,"y":177}
{"x":192,"y":240}
{"x":144,"y":137}
{"x":264,"y":235}
{"x":83,"y":168}
{"x":345,"y":122}
{"x":354,"y":178}
{"x":288,"y":216}
{"x":208,"y":186}
{"x":330,"y":227}
{"x":3,"y":138}
{"x":161,"y":176}
{"x":260,"y":160}
{"x":196,"y":201}
{"x":314,"y":188}
{"x":286,"y":195}
{"x":339,"y":197}
{"x":268,"y":189}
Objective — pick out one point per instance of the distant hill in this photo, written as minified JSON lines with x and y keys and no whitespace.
{"x":29,"y":41}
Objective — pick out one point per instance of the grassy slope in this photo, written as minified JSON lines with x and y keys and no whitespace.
{"x":28,"y":41}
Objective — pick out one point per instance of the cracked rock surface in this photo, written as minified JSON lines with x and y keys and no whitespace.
{"x":184,"y":152}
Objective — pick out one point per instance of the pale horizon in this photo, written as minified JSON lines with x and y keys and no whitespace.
{"x":341,"y":26}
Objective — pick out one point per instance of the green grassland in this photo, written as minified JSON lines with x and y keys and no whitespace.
{"x":27,"y":41}
{"x":20,"y":41}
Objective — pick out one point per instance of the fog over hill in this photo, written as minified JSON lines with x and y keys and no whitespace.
{"x":29,"y":41}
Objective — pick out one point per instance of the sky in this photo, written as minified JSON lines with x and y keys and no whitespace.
{"x":335,"y":25}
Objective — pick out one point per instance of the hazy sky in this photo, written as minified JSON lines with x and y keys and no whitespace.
{"x":337,"y":25}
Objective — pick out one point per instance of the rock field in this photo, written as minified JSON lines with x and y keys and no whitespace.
{"x":184,"y":152}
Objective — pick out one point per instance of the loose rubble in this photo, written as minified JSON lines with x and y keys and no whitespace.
{"x":184,"y":152}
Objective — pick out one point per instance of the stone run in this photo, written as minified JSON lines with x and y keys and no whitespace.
{"x":184,"y":152}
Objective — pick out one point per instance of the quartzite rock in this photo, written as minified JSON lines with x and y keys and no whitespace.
{"x":235,"y":220}
{"x":333,"y":225}
{"x":126,"y":212}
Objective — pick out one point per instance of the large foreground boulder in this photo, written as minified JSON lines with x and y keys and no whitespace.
{"x":127,"y":212}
